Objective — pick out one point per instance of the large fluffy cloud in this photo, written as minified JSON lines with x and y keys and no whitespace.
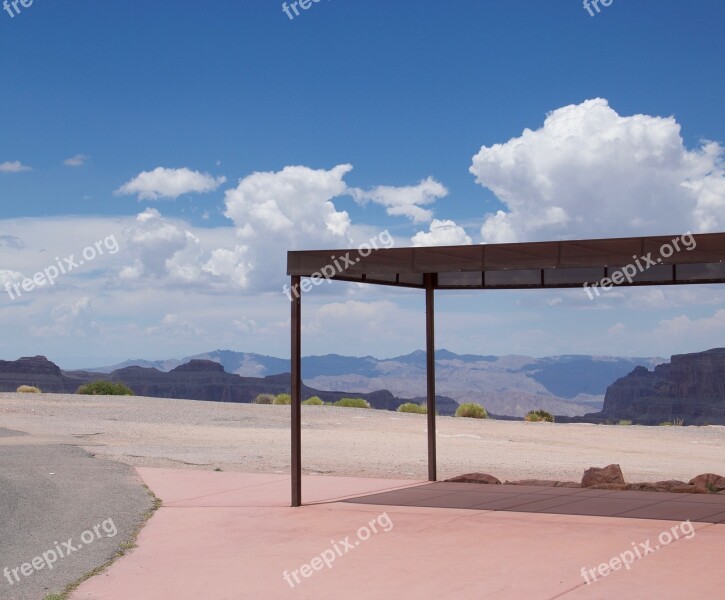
{"x":169,"y":252}
{"x":589,"y":172}
{"x":170,"y":183}
{"x":294,"y":204}
{"x":278,"y":211}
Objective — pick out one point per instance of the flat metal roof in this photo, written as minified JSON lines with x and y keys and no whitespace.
{"x":654,"y":260}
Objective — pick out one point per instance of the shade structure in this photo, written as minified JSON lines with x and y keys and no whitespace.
{"x":594,"y":265}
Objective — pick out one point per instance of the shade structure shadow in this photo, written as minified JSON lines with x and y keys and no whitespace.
{"x":703,"y":508}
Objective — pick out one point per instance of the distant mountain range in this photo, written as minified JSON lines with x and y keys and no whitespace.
{"x":511,"y":385}
{"x":194,"y":380}
{"x":689,"y":390}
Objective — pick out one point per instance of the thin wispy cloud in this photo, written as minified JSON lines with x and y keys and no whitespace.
{"x":76,"y":161}
{"x":13,"y":167}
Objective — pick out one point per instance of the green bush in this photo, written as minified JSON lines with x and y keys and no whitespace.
{"x":471,"y":410}
{"x":28,"y":389}
{"x":314,"y":401}
{"x":104,"y":388}
{"x":535,"y":416}
{"x":353,"y":403}
{"x":412,"y":407}
{"x":264,"y":399}
{"x":625,"y":422}
{"x":282,"y":400}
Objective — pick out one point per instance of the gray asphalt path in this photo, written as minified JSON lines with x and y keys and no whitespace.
{"x":52,"y":496}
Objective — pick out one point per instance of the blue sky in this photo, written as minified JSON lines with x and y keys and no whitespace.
{"x":441,"y":122}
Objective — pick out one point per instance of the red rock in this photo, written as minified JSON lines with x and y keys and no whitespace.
{"x":689,"y":387}
{"x":568,"y":484}
{"x":476,"y":478}
{"x":709,"y":482}
{"x":595,"y":476}
{"x":657,"y":486}
{"x":608,"y":486}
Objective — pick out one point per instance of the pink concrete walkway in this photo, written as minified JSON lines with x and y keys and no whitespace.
{"x":231,"y":536}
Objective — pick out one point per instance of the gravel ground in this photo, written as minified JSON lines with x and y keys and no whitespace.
{"x":356,"y":442}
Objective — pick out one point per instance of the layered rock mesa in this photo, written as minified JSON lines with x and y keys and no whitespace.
{"x":691,"y":388}
{"x":195,"y":380}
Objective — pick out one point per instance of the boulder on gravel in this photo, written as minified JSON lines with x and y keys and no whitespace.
{"x":709,"y":482}
{"x":595,"y":476}
{"x":475,"y":478}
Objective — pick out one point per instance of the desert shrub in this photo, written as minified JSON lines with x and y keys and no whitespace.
{"x":314,"y":401}
{"x":625,"y":422}
{"x":264,"y":399}
{"x":282,"y":400}
{"x":104,"y":388}
{"x":471,"y":410}
{"x":28,"y":389}
{"x":412,"y":407}
{"x":666,"y":424}
{"x":353,"y":403}
{"x":535,"y":416}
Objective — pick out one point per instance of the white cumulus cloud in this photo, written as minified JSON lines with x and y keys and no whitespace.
{"x":442,"y":233}
{"x":274,"y":212}
{"x":233,"y":264}
{"x":589,"y":172}
{"x":295,"y":202}
{"x":154,"y":241}
{"x":169,"y":183}
{"x":172,"y":253}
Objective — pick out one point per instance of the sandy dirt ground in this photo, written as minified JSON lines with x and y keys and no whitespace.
{"x":356,"y":442}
